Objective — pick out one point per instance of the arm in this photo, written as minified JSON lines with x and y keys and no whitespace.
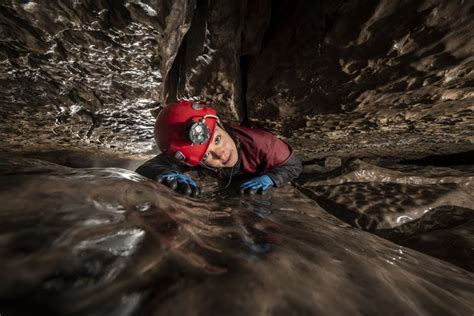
{"x":158,"y":165}
{"x":266,"y":155}
{"x":286,"y":172}
{"x":169,"y":172}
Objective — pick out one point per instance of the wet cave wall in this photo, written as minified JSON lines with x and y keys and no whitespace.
{"x":368,"y":78}
{"x":358,"y":79}
{"x":335,"y":78}
{"x":377,"y":97}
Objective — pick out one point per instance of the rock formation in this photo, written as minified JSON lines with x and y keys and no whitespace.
{"x":376,"y":96}
{"x":365,"y":79}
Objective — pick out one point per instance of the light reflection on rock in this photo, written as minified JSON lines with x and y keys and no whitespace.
{"x":279,"y":253}
{"x":419,"y":207}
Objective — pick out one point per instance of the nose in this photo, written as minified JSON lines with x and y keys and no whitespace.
{"x":219,"y":154}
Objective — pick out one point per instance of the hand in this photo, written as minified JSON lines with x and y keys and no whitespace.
{"x":179,"y":181}
{"x":259,"y":184}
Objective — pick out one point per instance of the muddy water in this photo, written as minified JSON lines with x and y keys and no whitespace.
{"x":105,"y":241}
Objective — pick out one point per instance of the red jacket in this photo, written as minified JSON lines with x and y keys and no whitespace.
{"x":260,"y":153}
{"x":260,"y":150}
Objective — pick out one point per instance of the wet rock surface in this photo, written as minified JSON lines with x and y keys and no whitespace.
{"x":376,"y":97}
{"x":78,"y":74}
{"x":370,"y":78}
{"x":106,"y":241}
{"x":425,"y":208}
{"x":391,"y":74}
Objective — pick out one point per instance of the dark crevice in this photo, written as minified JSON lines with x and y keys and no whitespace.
{"x":173,"y":78}
{"x":463,"y":158}
{"x":244,"y":66}
{"x":276,"y":14}
{"x":456,"y":159}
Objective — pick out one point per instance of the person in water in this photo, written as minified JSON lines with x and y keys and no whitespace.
{"x":191,"y":136}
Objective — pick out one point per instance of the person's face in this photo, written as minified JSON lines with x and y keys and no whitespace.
{"x":222,"y":151}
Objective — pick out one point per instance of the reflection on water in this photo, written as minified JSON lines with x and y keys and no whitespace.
{"x":109,"y":242}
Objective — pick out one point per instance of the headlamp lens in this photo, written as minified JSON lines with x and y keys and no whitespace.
{"x":199,"y":133}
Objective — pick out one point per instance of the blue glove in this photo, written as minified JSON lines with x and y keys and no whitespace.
{"x":179,"y":181}
{"x":259,"y":184}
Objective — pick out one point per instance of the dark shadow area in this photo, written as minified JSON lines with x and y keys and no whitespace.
{"x":464,"y":158}
{"x":81,"y":159}
{"x":244,"y":67}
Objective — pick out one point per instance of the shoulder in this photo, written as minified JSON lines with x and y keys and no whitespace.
{"x":252,"y":134}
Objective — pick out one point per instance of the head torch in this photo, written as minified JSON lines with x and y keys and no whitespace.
{"x":199,"y":132}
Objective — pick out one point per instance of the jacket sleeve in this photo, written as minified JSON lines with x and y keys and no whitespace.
{"x":158,"y":165}
{"x":286,"y":172}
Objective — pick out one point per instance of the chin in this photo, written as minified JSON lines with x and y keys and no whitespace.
{"x":233,"y":162}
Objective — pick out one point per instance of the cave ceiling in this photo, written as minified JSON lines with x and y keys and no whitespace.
{"x":334,"y":78}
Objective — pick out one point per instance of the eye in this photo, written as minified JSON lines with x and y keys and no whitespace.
{"x":205,"y":156}
{"x":217,"y":140}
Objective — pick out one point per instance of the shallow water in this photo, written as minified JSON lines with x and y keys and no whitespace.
{"x":106,"y":241}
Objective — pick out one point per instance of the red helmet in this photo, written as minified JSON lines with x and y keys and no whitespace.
{"x":184,"y":129}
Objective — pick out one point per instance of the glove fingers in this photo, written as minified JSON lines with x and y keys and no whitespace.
{"x":172,"y":183}
{"x":195,"y":192}
{"x":164,"y":178}
{"x":247,"y":185}
{"x":255,"y":187}
{"x":191,"y":182}
{"x":243,"y":191}
{"x":184,"y":188}
{"x":263,"y":191}
{"x":247,"y":190}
